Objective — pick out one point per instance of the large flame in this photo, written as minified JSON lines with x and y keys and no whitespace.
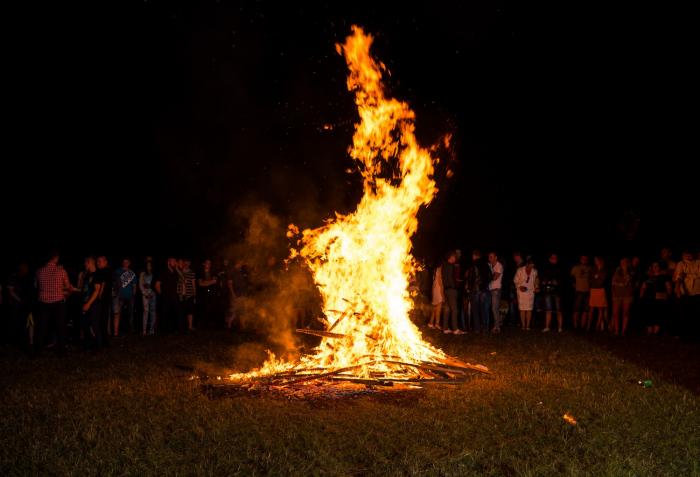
{"x":361,"y":262}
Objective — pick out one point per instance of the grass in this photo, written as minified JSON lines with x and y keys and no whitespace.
{"x":129,"y":411}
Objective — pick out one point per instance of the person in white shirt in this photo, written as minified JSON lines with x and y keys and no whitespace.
{"x":438,"y":299}
{"x":526,"y":282}
{"x":686,"y":279}
{"x":495,"y":289}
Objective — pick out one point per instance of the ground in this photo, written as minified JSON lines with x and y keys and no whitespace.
{"x":132,"y":411}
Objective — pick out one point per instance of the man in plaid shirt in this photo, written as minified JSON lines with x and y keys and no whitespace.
{"x":53,"y":285}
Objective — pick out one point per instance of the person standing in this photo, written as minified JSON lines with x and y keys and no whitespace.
{"x":52,"y":284}
{"x":581,"y":274}
{"x":239,"y":286}
{"x":666,"y":262}
{"x":90,"y":318}
{"x":655,"y":294}
{"x":438,"y":299}
{"x":450,"y":289}
{"x":477,"y":280}
{"x":208,"y":293}
{"x":106,"y":299}
{"x":125,"y":286}
{"x":148,"y":297}
{"x":166,"y":288}
{"x":622,"y":296}
{"x":526,"y":283}
{"x":513,"y":314}
{"x":496,"y":268}
{"x":226,"y":293}
{"x":599,"y":299}
{"x":687,"y":287}
{"x":550,"y":282}
{"x":21,"y":297}
{"x":187,"y":293}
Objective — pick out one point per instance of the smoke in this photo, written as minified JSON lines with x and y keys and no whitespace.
{"x":281,"y":296}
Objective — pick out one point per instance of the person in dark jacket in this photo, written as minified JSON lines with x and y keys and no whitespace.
{"x":450,"y":286}
{"x":477,"y":279}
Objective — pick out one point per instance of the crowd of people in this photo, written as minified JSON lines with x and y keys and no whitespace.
{"x":480,"y":295}
{"x":48,"y":309}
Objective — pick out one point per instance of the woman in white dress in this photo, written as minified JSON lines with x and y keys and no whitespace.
{"x":438,"y":299}
{"x":526,"y":283}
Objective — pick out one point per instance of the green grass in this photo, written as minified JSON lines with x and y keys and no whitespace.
{"x":129,"y":411}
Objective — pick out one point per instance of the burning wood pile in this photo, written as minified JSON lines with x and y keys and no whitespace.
{"x":370,"y":374}
{"x":385,"y":373}
{"x":369,"y":340}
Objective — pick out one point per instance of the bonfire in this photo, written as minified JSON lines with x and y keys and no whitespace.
{"x":362,"y":263}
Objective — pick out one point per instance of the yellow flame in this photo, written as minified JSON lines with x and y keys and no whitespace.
{"x":361,"y":262}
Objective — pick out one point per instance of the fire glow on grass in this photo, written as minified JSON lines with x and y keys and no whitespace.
{"x":361,"y":262}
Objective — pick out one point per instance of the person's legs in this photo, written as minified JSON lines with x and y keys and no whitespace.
{"x":513,"y":312}
{"x":96,"y":325}
{"x":475,"y":308}
{"x":528,"y":319}
{"x":694,"y":321}
{"x":104,"y":310}
{"x":190,"y":314}
{"x":85,"y":328}
{"x":576,"y":315}
{"x":26,"y":328}
{"x":604,"y":314}
{"x":59,"y":318}
{"x":130,"y":302}
{"x":547,"y":304}
{"x":496,"y":309}
{"x":615,"y":320}
{"x":41,"y":323}
{"x":116,"y":318}
{"x":600,"y":324}
{"x":451,"y":296}
{"x":560,"y":315}
{"x":181,"y":317}
{"x":485,"y":297}
{"x":626,"y":306}
{"x":146,"y":312}
{"x":171,"y":318}
{"x":154,"y":314}
{"x":435,"y":316}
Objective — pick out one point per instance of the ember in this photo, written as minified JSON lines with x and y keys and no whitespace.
{"x":362,"y":262}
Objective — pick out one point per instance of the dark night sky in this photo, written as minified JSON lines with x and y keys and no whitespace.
{"x":138,"y":127}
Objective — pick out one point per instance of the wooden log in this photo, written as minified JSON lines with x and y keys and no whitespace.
{"x":426,"y":366}
{"x":456,"y":363}
{"x":324,"y":334}
{"x":369,"y":382}
{"x":325,"y":375}
{"x":340,"y":318}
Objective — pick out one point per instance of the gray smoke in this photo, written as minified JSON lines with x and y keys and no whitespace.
{"x":282,"y":296}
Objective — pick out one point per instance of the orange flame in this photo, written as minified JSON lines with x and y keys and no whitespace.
{"x":361,"y":262}
{"x":569,"y":419}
